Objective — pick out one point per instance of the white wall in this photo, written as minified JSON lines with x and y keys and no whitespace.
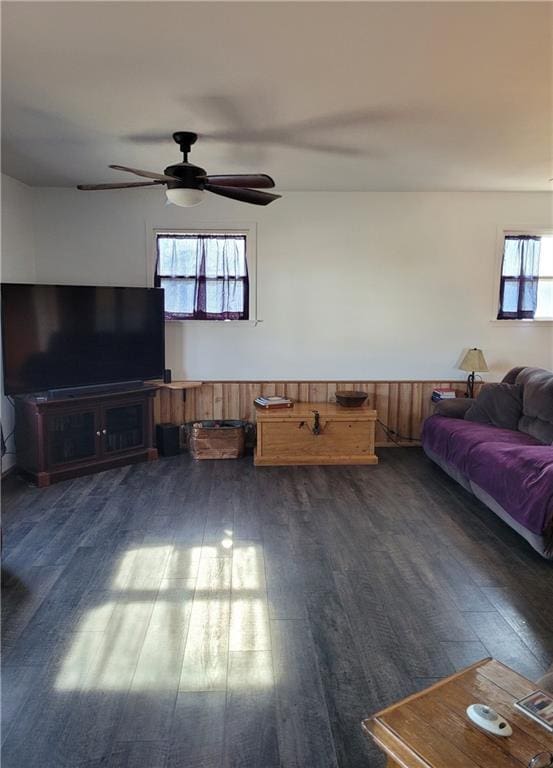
{"x":351,"y":285}
{"x":18,"y":249}
{"x":17,"y":265}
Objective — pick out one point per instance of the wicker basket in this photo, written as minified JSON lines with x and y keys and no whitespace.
{"x":217,"y":439}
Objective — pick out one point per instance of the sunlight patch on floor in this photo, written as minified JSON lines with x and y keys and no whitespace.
{"x":170,"y":619}
{"x":249,"y":625}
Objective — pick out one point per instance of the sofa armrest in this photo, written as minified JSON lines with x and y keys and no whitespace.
{"x":454,"y":408}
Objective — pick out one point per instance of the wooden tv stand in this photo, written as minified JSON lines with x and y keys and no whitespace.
{"x":65,"y":437}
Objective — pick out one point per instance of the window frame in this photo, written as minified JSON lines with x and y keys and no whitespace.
{"x":502,"y":233}
{"x":248,"y":229}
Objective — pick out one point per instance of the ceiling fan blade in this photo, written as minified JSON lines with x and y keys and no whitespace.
{"x":255,"y":180}
{"x":243,"y":195}
{"x":124,"y":185}
{"x":146,"y":174}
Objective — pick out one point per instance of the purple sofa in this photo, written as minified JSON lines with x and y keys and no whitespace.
{"x":510,"y":470}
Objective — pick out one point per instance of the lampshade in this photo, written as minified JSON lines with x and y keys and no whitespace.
{"x":185,"y":197}
{"x":474,"y":360}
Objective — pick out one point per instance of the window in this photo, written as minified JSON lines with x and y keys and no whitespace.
{"x":544,"y":304}
{"x":526,"y":282}
{"x":204,"y":274}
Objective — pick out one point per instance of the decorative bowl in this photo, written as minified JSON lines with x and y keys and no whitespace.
{"x":350,"y":398}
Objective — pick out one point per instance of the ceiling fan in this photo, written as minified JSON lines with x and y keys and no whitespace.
{"x":186,"y":183}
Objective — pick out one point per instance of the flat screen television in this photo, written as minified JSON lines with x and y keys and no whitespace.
{"x":57,"y":336}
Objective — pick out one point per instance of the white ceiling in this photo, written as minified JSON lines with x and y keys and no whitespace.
{"x":323,"y":96}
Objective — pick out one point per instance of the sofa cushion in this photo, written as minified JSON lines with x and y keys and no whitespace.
{"x":527,"y":373}
{"x":537,"y":404}
{"x":497,"y":404}
{"x":519,"y":478}
{"x":454,"y":408}
{"x":453,"y":439}
{"x":511,"y":376}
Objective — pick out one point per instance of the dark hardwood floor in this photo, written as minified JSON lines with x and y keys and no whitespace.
{"x":210,"y":614}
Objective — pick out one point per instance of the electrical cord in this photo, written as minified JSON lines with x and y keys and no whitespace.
{"x":392,"y":434}
{"x":4,"y":441}
{"x":9,"y":435}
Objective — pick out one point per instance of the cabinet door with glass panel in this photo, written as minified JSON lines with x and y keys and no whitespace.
{"x":73,"y":435}
{"x":123,"y":427}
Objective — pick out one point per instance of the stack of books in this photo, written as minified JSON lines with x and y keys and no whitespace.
{"x":442,"y":393}
{"x":273,"y":401}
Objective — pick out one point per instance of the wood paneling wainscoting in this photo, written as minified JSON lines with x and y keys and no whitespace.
{"x":401,"y":405}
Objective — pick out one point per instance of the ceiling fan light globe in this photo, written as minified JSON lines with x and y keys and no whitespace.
{"x":186,"y":198}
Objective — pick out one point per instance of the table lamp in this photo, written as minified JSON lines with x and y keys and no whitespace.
{"x":473,"y":361}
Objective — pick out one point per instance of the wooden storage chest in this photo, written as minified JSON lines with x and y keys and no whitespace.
{"x":297,"y":436}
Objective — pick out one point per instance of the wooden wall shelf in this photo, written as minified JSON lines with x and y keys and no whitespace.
{"x":179,"y":385}
{"x":173,"y":390}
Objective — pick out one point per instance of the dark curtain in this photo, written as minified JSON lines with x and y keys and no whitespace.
{"x":518,"y":296}
{"x":205,"y":276}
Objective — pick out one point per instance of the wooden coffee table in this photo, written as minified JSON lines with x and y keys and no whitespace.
{"x":431,"y":729}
